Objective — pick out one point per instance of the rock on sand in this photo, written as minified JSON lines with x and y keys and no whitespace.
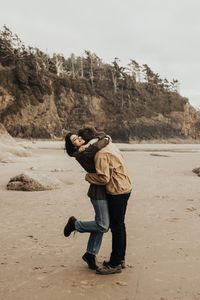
{"x":33,"y":182}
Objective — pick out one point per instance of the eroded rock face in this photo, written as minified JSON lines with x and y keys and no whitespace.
{"x":36,"y":121}
{"x":33,"y":182}
{"x":3,"y":131}
{"x":186,"y":121}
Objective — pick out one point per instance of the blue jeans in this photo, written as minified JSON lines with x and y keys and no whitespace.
{"x":97,"y":227}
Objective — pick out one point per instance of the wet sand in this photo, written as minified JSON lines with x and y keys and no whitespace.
{"x":163,"y":228}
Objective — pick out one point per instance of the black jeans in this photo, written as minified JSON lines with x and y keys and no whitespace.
{"x":117,"y":209}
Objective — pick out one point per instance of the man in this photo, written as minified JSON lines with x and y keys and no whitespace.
{"x":112,"y":172}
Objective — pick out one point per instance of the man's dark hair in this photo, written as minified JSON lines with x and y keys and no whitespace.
{"x":69,"y":147}
{"x":87,"y":133}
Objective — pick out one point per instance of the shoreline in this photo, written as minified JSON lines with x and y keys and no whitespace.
{"x":175,"y":141}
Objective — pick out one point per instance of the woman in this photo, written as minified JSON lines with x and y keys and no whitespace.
{"x":84,"y":153}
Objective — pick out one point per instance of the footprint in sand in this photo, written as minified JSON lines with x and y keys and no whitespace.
{"x":86,"y":284}
{"x":32,"y":237}
{"x":190,"y":209}
{"x":63,"y":266}
{"x":129,"y":266}
{"x":45,"y":286}
{"x":38,"y":268}
{"x":172,"y":219}
{"x":121,"y":283}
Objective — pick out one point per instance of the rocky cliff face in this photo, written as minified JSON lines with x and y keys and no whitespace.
{"x":40,"y":96}
{"x":2,"y":130}
{"x":70,"y":110}
{"x":40,"y":120}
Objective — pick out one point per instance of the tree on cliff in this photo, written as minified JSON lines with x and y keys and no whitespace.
{"x":151,"y":77}
{"x":174,"y":85}
{"x":135,"y":70}
{"x":11,"y":47}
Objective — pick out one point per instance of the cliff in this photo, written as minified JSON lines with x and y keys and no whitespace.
{"x":40,"y":96}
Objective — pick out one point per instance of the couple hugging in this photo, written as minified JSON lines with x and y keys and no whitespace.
{"x":109,"y":191}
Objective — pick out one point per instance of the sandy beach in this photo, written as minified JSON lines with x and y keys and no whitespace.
{"x":163,"y":228}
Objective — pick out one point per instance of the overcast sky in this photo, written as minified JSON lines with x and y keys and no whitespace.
{"x":165,"y":34}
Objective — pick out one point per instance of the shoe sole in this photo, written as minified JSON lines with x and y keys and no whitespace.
{"x":109,"y":273}
{"x":105,"y":264}
{"x":67,"y":230}
{"x":66,"y":233}
{"x":90,"y":267}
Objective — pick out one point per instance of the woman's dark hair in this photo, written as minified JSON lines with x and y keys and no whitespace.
{"x":87,"y":133}
{"x":69,"y":147}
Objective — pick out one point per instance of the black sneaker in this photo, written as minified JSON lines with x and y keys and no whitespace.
{"x":90,"y":259}
{"x":108,"y":270}
{"x":107,"y":263}
{"x":70,"y":226}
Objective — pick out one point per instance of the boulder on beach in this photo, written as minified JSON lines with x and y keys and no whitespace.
{"x":9,"y":148}
{"x":196,"y":171}
{"x":33,"y":182}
